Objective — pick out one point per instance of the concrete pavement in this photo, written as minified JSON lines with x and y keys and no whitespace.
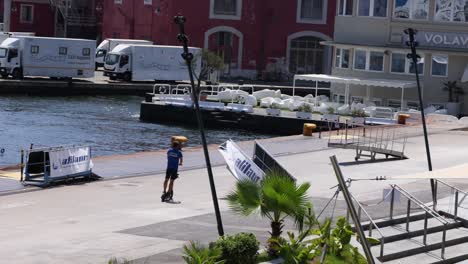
{"x":91,"y":222}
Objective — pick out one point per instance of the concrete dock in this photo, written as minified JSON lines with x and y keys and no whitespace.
{"x":122,"y":216}
{"x":100,"y":85}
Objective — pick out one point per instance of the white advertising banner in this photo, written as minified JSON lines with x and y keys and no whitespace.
{"x":241,"y":166}
{"x":70,"y":161}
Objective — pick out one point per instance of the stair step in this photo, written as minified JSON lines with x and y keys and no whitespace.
{"x":395,"y":221}
{"x":422,"y":249}
{"x":456,"y":259}
{"x":417,"y":233}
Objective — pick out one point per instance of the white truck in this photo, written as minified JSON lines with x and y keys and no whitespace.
{"x":49,"y":57}
{"x":149,"y":63}
{"x":109,"y":44}
{"x":5,"y":35}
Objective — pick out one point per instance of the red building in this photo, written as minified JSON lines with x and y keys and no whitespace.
{"x":31,"y":16}
{"x":255,"y":37}
{"x":59,"y":18}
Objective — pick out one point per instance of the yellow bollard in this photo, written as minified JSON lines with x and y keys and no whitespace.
{"x":402,"y":118}
{"x":308,"y":129}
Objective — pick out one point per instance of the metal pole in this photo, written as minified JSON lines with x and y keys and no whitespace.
{"x":352,"y":210}
{"x":414,"y":56}
{"x":22,"y":164}
{"x":188,"y":57}
{"x":294,"y":86}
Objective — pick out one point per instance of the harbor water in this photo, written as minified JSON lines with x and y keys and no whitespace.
{"x":109,"y":124}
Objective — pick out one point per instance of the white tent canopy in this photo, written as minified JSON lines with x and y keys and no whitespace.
{"x":387,"y":83}
{"x":455,"y":172}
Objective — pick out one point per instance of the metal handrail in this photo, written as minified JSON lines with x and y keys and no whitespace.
{"x":451,"y":186}
{"x":458,"y":201}
{"x":361,"y":209}
{"x":426,"y":208}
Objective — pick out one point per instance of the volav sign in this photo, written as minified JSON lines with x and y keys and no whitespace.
{"x":442,"y":40}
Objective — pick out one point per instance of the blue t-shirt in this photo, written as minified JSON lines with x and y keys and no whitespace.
{"x":173,"y":156}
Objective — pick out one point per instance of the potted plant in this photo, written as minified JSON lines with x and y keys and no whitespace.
{"x":304,"y":111}
{"x":274,"y":110}
{"x":454,"y":91}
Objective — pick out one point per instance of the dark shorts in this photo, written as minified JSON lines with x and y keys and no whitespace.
{"x":172,"y":174}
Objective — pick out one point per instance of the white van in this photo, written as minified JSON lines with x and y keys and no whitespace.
{"x":49,"y":57}
{"x":109,"y":44}
{"x":149,"y":63}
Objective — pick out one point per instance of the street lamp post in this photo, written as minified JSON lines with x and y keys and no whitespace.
{"x":188,"y":57}
{"x":414,"y":57}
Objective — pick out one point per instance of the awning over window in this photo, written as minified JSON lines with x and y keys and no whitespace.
{"x":357,"y":81}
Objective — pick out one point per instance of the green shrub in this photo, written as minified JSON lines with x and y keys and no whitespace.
{"x":115,"y":260}
{"x":194,"y":253}
{"x":358,"y":113}
{"x":238,"y":249}
{"x":305,"y":108}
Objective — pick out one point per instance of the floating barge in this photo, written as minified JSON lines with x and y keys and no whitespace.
{"x":258,"y":121}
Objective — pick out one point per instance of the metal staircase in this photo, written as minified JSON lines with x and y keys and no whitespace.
{"x":71,"y":16}
{"x":423,"y":234}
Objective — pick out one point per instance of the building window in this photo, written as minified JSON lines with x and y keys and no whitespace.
{"x":342,"y":58}
{"x":368,"y":60}
{"x":225,"y":9}
{"x":147,"y":2}
{"x":376,"y":61}
{"x":339,"y":98}
{"x":306,"y":55}
{"x":375,"y":8}
{"x":62,"y":51}
{"x":411,"y":9}
{"x":394,"y":103}
{"x":27,"y":13}
{"x":401,"y":64}
{"x":345,"y":8}
{"x":439,"y":65}
{"x":312,"y":11}
{"x":86,"y":51}
{"x":34,"y":49}
{"x":360,"y":59}
{"x":451,"y":10}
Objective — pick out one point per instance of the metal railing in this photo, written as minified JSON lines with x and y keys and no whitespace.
{"x":372,"y":223}
{"x":428,"y":211}
{"x":456,"y":191}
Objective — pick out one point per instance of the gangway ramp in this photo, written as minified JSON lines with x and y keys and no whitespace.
{"x":368,"y":141}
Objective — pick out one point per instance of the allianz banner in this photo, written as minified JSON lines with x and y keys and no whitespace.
{"x":70,"y":161}
{"x":241,"y":166}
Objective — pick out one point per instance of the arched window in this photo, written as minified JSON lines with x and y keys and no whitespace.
{"x":306,"y":55}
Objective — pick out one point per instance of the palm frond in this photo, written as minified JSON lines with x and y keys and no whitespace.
{"x":246,"y":198}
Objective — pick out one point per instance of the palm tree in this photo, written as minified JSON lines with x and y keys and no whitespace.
{"x":276,"y":197}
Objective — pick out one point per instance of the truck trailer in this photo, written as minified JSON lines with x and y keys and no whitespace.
{"x":49,"y":57}
{"x":149,"y":63}
{"x":5,"y":35}
{"x":109,"y":44}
